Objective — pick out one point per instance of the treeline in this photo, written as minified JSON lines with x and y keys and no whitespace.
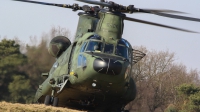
{"x":162,"y":84}
{"x":21,"y":66}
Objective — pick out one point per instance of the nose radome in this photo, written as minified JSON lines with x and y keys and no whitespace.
{"x":107,"y":66}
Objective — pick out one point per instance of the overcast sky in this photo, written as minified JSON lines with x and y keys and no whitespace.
{"x":25,"y":19}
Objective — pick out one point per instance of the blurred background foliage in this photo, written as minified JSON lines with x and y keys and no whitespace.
{"x":21,"y":65}
{"x":163,"y":85}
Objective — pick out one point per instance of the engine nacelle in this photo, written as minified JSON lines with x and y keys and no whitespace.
{"x":58,"y":45}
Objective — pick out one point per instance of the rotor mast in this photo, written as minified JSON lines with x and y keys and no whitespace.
{"x":110,"y":25}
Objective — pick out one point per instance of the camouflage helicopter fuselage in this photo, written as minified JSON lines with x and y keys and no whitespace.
{"x":95,"y":70}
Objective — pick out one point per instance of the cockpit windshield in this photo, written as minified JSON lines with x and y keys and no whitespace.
{"x":96,"y":45}
{"x":109,"y":48}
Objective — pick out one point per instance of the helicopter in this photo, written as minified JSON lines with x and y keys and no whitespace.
{"x":94,"y":71}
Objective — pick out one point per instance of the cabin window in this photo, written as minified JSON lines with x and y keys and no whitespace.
{"x":82,"y":62}
{"x":95,"y":46}
{"x":109,"y":48}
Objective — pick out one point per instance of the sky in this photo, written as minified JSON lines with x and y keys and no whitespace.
{"x":23,"y":20}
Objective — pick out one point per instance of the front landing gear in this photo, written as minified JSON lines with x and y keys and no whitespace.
{"x":51,"y":101}
{"x":47,"y":100}
{"x":55,"y":101}
{"x":57,"y":85}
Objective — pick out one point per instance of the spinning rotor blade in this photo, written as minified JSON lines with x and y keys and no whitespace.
{"x":103,"y":3}
{"x":159,"y":13}
{"x":158,"y":10}
{"x":43,"y":3}
{"x":96,"y":2}
{"x":177,"y":17}
{"x":132,"y":9}
{"x":157,"y":24}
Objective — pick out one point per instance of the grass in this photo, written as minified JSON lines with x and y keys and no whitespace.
{"x":16,"y":107}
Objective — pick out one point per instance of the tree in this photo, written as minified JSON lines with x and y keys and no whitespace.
{"x":20,"y":73}
{"x":189,"y":96}
{"x":20,"y":89}
{"x":171,"y":108}
{"x":39,"y":59}
{"x":157,"y":76}
{"x":10,"y":61}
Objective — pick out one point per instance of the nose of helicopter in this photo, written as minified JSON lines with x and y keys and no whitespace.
{"x":107,"y":66}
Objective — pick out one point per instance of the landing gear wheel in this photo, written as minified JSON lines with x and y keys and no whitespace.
{"x":55,"y":101}
{"x":47,"y":100}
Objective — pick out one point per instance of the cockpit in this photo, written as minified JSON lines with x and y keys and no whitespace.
{"x":96,"y":45}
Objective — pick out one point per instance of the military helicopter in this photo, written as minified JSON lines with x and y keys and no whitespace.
{"x":94,"y":72}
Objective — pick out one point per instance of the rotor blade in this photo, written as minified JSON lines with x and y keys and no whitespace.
{"x":157,"y":24}
{"x":43,"y":3}
{"x":161,"y":10}
{"x":168,"y":15}
{"x":96,"y":2}
{"x":177,"y":16}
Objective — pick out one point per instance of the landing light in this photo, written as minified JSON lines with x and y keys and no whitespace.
{"x":94,"y":84}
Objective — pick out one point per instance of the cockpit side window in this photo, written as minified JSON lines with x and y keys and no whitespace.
{"x":82,"y":61}
{"x":95,"y":46}
{"x":109,"y":48}
{"x":83,"y":47}
{"x":122,"y":51}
